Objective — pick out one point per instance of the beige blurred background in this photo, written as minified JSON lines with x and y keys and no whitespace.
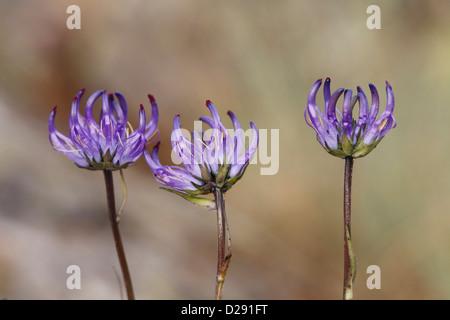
{"x":259,"y":59}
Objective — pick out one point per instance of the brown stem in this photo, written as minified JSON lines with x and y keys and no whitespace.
{"x":223,"y":261}
{"x":115,"y":229}
{"x":349,"y":262}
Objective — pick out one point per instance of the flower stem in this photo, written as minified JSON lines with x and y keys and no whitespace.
{"x":349,"y":257}
{"x":223,"y":261}
{"x":124,"y":200}
{"x":115,"y":229}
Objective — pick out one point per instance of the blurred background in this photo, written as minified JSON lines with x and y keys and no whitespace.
{"x":259,"y":59}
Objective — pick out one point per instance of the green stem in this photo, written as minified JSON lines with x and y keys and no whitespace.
{"x":349,"y":257}
{"x":223,"y":261}
{"x":124,"y":200}
{"x":115,"y":229}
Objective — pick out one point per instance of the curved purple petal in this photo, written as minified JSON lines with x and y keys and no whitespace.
{"x":347,"y":113}
{"x":131,"y":149}
{"x":249,"y":153}
{"x":326,"y":94}
{"x":215,"y":115}
{"x":91,"y":124}
{"x":331,"y":114}
{"x":363,"y":111}
{"x":238,"y":137}
{"x":170,"y":176}
{"x":122,"y":106}
{"x":152,"y":125}
{"x":63,"y":144}
{"x":374,"y":106}
{"x":385,"y":122}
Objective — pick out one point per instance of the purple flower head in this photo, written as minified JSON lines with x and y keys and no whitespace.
{"x":109,"y":143}
{"x":212,"y":159}
{"x":338,"y":132}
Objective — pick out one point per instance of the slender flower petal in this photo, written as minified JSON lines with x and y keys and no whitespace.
{"x":243,"y":159}
{"x":151,"y":127}
{"x":338,"y":132}
{"x":375,"y":105}
{"x":347,"y":118}
{"x":63,"y":144}
{"x":385,"y":122}
{"x":173,"y":177}
{"x":212,"y":159}
{"x":106,"y":144}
